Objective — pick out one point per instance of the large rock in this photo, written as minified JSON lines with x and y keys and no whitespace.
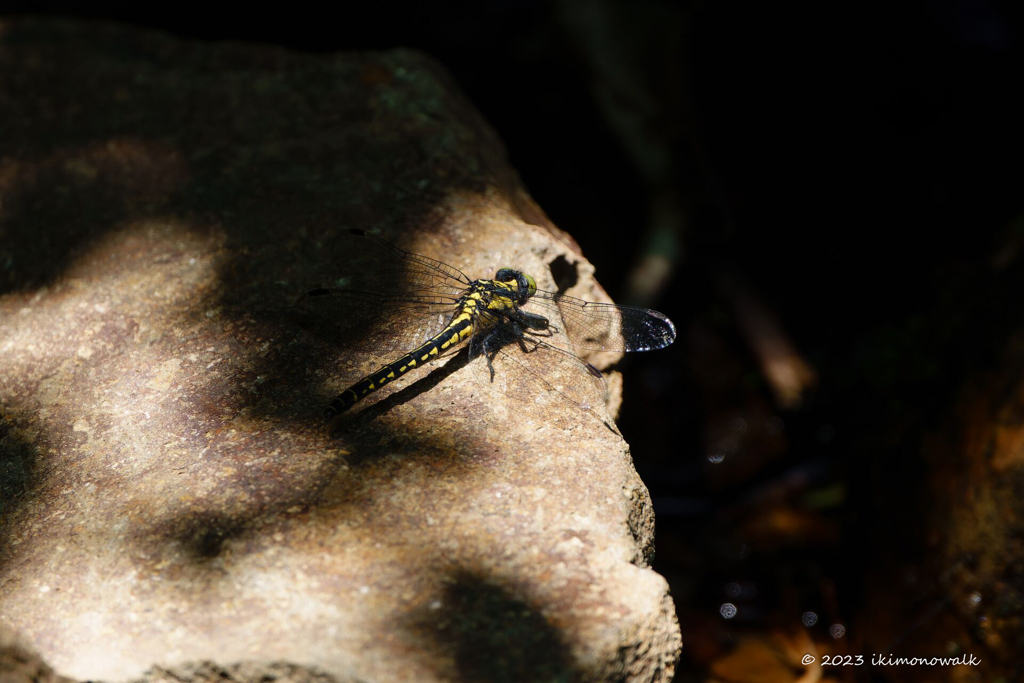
{"x":170,"y":491}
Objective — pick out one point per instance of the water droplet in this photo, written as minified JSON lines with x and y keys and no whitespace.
{"x":837,"y":631}
{"x":727,"y":610}
{"x":809,"y":619}
{"x":716,"y":454}
{"x":733,"y":589}
{"x":975,"y":597}
{"x":738,"y":425}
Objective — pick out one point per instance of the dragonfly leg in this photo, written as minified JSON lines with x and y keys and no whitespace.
{"x":530,"y":321}
{"x":495,"y":339}
{"x":490,"y":351}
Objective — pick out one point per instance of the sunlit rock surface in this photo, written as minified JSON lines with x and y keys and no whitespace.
{"x":170,"y":492}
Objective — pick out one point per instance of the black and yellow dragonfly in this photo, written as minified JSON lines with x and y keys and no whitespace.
{"x":395,"y":299}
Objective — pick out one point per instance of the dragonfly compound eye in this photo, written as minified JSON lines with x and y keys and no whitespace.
{"x":527,"y":284}
{"x":506,"y":274}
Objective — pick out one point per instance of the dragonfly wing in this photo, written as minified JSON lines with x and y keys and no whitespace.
{"x":536,"y":362}
{"x":389,"y":300}
{"x":377,"y":323}
{"x":603,"y":327}
{"x":380,"y":267}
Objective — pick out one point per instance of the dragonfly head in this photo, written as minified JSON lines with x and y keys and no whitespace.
{"x":525,"y":284}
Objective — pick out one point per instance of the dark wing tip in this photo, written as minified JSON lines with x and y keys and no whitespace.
{"x":662,"y":329}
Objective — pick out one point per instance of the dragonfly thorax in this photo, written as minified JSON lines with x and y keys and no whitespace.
{"x":526,"y":286}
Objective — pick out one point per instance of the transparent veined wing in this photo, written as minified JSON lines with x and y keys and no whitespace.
{"x":390,"y":299}
{"x":589,"y":325}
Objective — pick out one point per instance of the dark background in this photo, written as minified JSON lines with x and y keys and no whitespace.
{"x":854,"y":170}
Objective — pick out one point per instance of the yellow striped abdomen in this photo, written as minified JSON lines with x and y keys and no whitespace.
{"x":458,"y":330}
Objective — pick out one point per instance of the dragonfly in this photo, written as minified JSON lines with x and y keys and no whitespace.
{"x":396,"y":301}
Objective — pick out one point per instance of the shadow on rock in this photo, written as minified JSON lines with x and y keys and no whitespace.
{"x":242,"y":672}
{"x":370,"y":464}
{"x":64,"y":200}
{"x":431,"y":377}
{"x":19,"y":463}
{"x":491,"y":633}
{"x":201,"y":536}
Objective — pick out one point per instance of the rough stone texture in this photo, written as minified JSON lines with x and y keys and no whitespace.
{"x":245,"y":672}
{"x":20,"y":664}
{"x":170,"y":493}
